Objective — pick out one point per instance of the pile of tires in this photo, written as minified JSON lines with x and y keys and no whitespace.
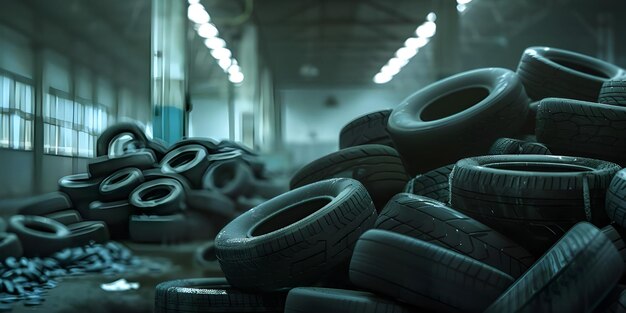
{"x":488,"y":191}
{"x":141,"y":190}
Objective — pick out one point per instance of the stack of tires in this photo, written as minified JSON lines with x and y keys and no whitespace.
{"x":488,"y":191}
{"x":146,"y":192}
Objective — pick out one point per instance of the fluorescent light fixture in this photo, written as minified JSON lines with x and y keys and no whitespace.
{"x":207,"y":30}
{"x":236,"y":77}
{"x":197,"y":14}
{"x":416,"y":42}
{"x":224,"y":63}
{"x":463,"y":1}
{"x":405,"y":53}
{"x":426,"y":30}
{"x":395,"y":62}
{"x":234,"y":69}
{"x":431,"y":17}
{"x":461,"y":8}
{"x":390,"y":70}
{"x":214,"y":43}
{"x":221,"y":53}
{"x":193,"y":1}
{"x":381,"y":78}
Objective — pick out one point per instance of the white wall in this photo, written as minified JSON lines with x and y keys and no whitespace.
{"x":209,"y":117}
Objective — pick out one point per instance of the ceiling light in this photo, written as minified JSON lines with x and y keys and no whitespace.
{"x":234,"y":69}
{"x":463,"y":1}
{"x":395,"y":62}
{"x":235,"y":78}
{"x":416,"y":42}
{"x":197,"y":14}
{"x":405,"y":53}
{"x":224,"y":63}
{"x":390,"y":70}
{"x":207,"y":30}
{"x":221,"y":53}
{"x":426,"y":30}
{"x":461,"y":8}
{"x":214,"y":43}
{"x":193,"y":1}
{"x":381,"y":78}
{"x":431,"y":17}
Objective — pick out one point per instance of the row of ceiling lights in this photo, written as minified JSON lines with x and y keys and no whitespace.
{"x":461,"y":5}
{"x":423,"y":33}
{"x":207,"y":30}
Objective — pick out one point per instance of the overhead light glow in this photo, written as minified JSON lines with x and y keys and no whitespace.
{"x":426,"y":30}
{"x":207,"y":30}
{"x":236,"y":77}
{"x":234,"y":69}
{"x":197,"y":14}
{"x":411,"y":47}
{"x":224,"y":63}
{"x":463,"y":1}
{"x":221,"y":53}
{"x":193,"y":1}
{"x":214,"y":43}
{"x":416,"y":42}
{"x":381,"y":78}
{"x":461,"y":8}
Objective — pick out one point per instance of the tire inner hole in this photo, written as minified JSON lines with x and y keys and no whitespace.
{"x":290,"y":215}
{"x":580,"y":68}
{"x":209,"y":254}
{"x":155,"y":193}
{"x":545,"y":167}
{"x":119,"y":178}
{"x":223,"y":175}
{"x":453,"y":103}
{"x":39,"y":227}
{"x":183,"y":158}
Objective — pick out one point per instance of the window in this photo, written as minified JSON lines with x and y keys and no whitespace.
{"x":16,"y":112}
{"x":71,"y":127}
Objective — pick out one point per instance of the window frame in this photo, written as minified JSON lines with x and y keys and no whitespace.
{"x":13,"y":111}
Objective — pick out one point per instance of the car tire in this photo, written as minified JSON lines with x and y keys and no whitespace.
{"x":114,"y":214}
{"x":379,"y":168}
{"x":109,"y":135}
{"x":616,"y":238}
{"x":453,"y":118}
{"x":433,"y":222}
{"x":532,"y":199}
{"x":45,"y":204}
{"x":575,"y":275}
{"x":10,"y":246}
{"x":368,"y":129}
{"x":434,"y":184}
{"x":549,"y":72}
{"x":213,"y":295}
{"x":579,"y":128}
{"x":189,"y":161}
{"x":613,"y":92}
{"x":120,"y":184}
{"x":40,"y":236}
{"x":515,"y":146}
{"x":231,"y":178}
{"x":158,"y":197}
{"x":66,"y":217}
{"x":163,"y":229}
{"x":81,"y":189}
{"x":218,"y":207}
{"x":329,"y":300}
{"x":204,"y":256}
{"x":104,"y":166}
{"x":440,"y":279}
{"x":88,"y":232}
{"x":159,"y":147}
{"x":616,"y":199}
{"x":156,"y":173}
{"x":296,"y":238}
{"x":209,"y":144}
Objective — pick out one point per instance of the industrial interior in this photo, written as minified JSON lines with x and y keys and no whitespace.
{"x":312,"y":156}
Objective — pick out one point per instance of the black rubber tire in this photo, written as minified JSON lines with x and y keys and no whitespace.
{"x":434,"y":184}
{"x":81,"y":189}
{"x":575,"y":275}
{"x":530,"y":124}
{"x":10,"y":246}
{"x":379,"y":168}
{"x":35,"y":241}
{"x":613,"y":92}
{"x":45,"y":204}
{"x":111,"y":132}
{"x":88,"y":232}
{"x":244,"y":204}
{"x":532,"y":199}
{"x":549,"y":72}
{"x":104,"y":166}
{"x":114,"y":214}
{"x":515,"y":146}
{"x":155,"y":173}
{"x":329,"y":300}
{"x":616,"y":238}
{"x":614,"y":303}
{"x":157,"y":228}
{"x":616,"y":199}
{"x":424,"y":275}
{"x":213,"y":204}
{"x":213,"y":295}
{"x":227,"y":145}
{"x":230,"y":177}
{"x":189,"y":161}
{"x":209,"y":144}
{"x":296,"y":238}
{"x":579,"y":128}
{"x":159,"y":147}
{"x":158,"y":197}
{"x":120,"y":184}
{"x":204,"y":256}
{"x":431,"y":221}
{"x":454,"y":118}
{"x":66,"y":217}
{"x":367,"y":129}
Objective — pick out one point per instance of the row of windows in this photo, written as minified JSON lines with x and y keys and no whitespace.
{"x":70,"y":126}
